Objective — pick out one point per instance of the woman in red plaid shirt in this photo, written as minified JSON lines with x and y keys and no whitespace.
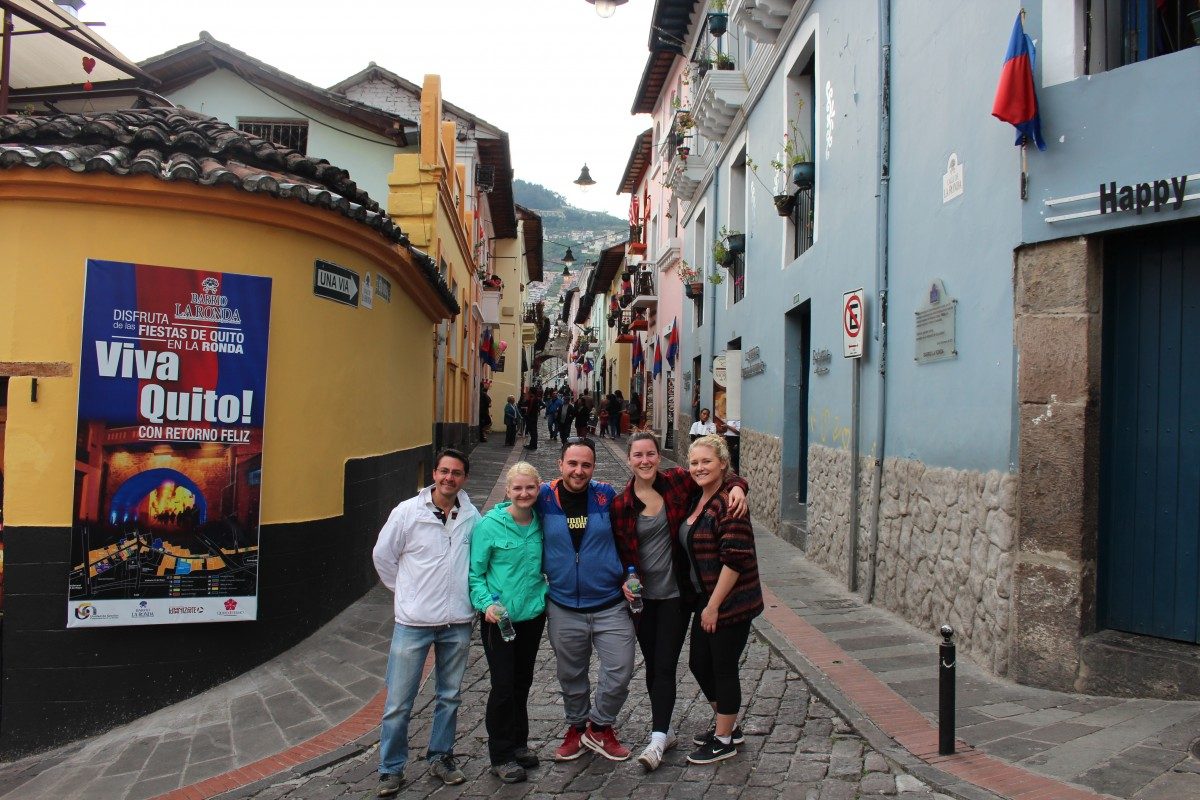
{"x":724,"y":572}
{"x":645,"y":519}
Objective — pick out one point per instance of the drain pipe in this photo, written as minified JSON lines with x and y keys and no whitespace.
{"x":712,"y":322}
{"x":881,"y":271}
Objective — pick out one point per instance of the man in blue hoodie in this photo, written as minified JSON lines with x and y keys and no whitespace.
{"x":587,"y":608}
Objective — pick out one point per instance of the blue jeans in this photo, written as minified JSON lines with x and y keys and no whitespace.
{"x":406,"y":659}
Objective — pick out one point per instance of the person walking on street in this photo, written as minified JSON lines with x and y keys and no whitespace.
{"x":724,"y":574}
{"x":616,"y":404}
{"x":533,"y":408}
{"x":587,"y":610}
{"x":485,"y":411}
{"x":635,"y":412}
{"x":583,"y":414}
{"x":506,"y":572}
{"x":553,"y":402}
{"x":512,"y":418}
{"x":645,"y":518}
{"x":566,"y":415}
{"x":423,"y":556}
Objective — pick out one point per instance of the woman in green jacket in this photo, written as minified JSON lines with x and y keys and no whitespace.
{"x":506,"y":562}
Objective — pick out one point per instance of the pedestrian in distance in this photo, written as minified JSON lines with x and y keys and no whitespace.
{"x":485,"y":411}
{"x":506,"y":580}
{"x":583,"y":413}
{"x":512,"y":418}
{"x":635,"y":412}
{"x":703,"y":426}
{"x":645,"y":519}
{"x":616,"y":404}
{"x":533,"y":408}
{"x":424,"y":549}
{"x":553,"y":402}
{"x":566,"y":415}
{"x":720,"y":548}
{"x":586,"y":611}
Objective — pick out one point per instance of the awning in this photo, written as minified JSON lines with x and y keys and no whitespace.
{"x":48,"y":54}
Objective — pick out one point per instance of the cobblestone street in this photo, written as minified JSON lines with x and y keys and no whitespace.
{"x":796,"y":746}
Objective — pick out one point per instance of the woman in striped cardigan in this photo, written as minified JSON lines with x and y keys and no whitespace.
{"x":724,"y":572}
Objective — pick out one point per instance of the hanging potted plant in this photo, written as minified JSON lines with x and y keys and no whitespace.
{"x":718,"y":20}
{"x":784,"y":202}
{"x":693,"y":283}
{"x":734,"y":241}
{"x":683,"y":151}
{"x":795,"y":156}
{"x":721,"y":254}
{"x":716,"y":279}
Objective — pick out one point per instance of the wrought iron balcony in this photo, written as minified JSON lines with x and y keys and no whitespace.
{"x":645,"y":294}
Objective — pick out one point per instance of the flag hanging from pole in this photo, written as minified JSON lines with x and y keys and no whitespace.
{"x":657,"y":357}
{"x":637,"y":357}
{"x":673,"y":342}
{"x":1016,"y":99}
{"x":487,"y":349}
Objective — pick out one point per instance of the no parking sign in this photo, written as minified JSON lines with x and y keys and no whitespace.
{"x":854,"y":320}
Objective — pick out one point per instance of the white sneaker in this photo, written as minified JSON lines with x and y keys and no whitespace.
{"x":651,"y":757}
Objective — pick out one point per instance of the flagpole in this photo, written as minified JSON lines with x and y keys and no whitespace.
{"x":1025,"y":170}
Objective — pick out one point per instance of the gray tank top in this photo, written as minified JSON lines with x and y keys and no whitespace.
{"x":654,"y":550}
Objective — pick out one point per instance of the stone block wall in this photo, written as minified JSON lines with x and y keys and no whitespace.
{"x":946,"y":544}
{"x":762,"y":467}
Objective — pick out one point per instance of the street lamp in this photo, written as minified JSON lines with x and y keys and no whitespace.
{"x":606,"y":8}
{"x":584,"y":181}
{"x":569,"y":258}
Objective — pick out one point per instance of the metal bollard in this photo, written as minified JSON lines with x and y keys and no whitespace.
{"x":946,"y":661}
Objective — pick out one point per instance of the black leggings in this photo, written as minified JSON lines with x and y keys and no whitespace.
{"x":714,"y":663}
{"x":511,"y":665}
{"x":660,"y":632}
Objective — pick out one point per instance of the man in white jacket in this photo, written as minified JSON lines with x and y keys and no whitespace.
{"x":423,"y":555}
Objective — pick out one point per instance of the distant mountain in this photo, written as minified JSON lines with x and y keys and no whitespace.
{"x":564,"y":225}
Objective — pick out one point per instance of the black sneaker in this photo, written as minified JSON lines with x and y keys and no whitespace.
{"x":700,"y":739}
{"x":389,"y":785}
{"x":512,"y":772}
{"x":712,"y":751}
{"x":525,"y":757}
{"x":446,"y":768}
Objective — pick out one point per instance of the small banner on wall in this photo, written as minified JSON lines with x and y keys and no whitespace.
{"x":168,"y":454}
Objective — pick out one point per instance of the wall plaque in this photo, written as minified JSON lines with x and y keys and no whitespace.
{"x":935,"y":326}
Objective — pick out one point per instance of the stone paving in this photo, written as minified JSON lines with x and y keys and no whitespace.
{"x":796,"y":747}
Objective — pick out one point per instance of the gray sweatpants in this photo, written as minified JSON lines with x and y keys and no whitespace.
{"x":573,"y":636}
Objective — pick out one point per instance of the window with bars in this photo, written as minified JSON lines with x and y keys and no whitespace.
{"x":291,"y":133}
{"x":737,"y":277}
{"x":1121,"y":32}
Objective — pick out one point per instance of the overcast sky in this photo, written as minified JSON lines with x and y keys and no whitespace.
{"x":553,"y":74}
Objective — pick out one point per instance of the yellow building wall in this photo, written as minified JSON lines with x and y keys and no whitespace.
{"x":341,"y":381}
{"x":510,"y":267}
{"x":426,"y":198}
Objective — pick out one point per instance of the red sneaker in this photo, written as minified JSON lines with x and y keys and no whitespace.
{"x":571,"y":747}
{"x":605,"y":743}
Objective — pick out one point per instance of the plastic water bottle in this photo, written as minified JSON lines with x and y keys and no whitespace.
{"x":634,"y":584}
{"x":507,"y":631}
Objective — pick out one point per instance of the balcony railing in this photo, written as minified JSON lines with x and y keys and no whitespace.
{"x":645,"y":295}
{"x":802,"y":220}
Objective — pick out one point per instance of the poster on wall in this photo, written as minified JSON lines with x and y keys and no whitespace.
{"x":168,"y":452}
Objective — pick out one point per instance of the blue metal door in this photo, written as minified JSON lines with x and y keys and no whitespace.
{"x":1149,"y":545}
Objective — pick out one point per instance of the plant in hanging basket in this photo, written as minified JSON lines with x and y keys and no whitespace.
{"x":718,"y":20}
{"x":795,"y":157}
{"x":686,"y":272}
{"x":694,"y":291}
{"x":785,"y":204}
{"x":683,"y":151}
{"x":716,"y":279}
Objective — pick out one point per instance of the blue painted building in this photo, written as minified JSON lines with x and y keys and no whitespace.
{"x":1027,"y":469}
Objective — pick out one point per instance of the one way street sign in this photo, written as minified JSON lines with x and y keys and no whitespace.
{"x":335,"y":283}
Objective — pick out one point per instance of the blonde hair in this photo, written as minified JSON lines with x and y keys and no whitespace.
{"x":716,"y":444}
{"x":521,"y":468}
